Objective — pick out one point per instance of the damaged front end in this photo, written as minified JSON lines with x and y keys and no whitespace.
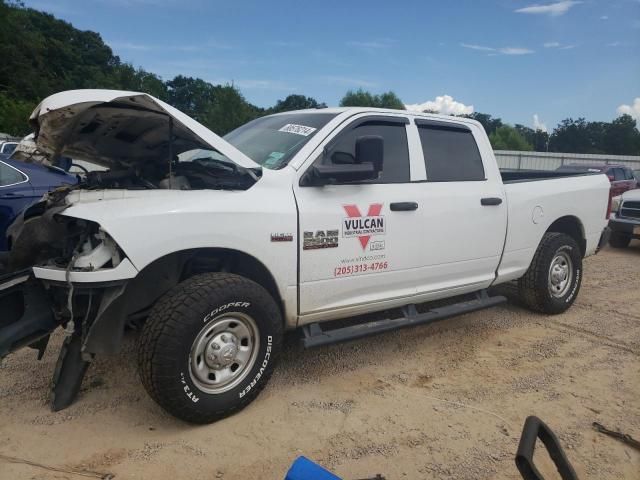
{"x":63,"y":268}
{"x":63,"y":272}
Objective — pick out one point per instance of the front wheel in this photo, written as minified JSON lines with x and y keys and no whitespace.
{"x":552,"y":282}
{"x":209,"y":346}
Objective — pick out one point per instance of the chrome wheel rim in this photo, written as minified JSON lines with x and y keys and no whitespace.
{"x":560,"y":275}
{"x":224,"y":352}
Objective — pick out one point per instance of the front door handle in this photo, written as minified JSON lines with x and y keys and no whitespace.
{"x":490,"y":201}
{"x":403,"y":206}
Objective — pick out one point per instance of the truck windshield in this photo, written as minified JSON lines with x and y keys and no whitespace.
{"x":272,"y":141}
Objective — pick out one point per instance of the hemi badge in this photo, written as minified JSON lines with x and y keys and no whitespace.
{"x":282,"y":237}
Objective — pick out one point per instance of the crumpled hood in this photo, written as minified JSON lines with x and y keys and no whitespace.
{"x":116,"y":128}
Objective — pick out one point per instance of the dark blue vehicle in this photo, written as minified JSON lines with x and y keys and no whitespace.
{"x":22,"y":184}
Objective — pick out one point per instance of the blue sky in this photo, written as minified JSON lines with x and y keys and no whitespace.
{"x":509,"y":58}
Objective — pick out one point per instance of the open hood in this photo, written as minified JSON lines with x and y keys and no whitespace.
{"x":118,"y":129}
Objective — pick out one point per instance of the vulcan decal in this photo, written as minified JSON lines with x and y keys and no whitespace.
{"x":363,"y":227}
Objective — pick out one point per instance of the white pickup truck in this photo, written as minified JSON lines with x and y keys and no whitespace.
{"x":217,"y":246}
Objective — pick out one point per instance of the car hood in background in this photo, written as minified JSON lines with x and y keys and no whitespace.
{"x":115,"y":128}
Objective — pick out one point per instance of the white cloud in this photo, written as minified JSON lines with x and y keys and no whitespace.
{"x":633,"y":110}
{"x":553,"y":9}
{"x":498,"y":51}
{"x":515,"y":51}
{"x":444,"y":104}
{"x":604,"y":17}
{"x":537,"y":124}
{"x":478,"y":47}
{"x":558,"y":45}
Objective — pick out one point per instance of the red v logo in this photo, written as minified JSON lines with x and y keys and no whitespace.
{"x":354,"y":212}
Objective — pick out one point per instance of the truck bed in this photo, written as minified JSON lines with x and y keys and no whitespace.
{"x":519,"y":176}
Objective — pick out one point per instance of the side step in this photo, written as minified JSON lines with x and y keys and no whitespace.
{"x":314,"y":336}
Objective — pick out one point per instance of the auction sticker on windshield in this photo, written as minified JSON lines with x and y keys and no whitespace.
{"x":297,"y":129}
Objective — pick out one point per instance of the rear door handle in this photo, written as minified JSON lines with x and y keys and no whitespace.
{"x":490,"y":201}
{"x":403,"y":206}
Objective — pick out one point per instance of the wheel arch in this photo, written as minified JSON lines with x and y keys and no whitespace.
{"x":133,"y":300}
{"x":178,"y":266}
{"x":572,"y":226}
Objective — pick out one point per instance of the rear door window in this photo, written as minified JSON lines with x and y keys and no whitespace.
{"x":450,"y":152}
{"x":10,"y":175}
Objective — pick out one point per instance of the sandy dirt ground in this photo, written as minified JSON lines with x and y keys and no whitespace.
{"x":444,"y":401}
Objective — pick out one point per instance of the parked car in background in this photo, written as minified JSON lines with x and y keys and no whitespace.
{"x":636,"y":173}
{"x":22,"y":184}
{"x":7,"y":148}
{"x":625,"y":219}
{"x":620,"y":176}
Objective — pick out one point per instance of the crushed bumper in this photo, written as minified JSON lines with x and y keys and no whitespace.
{"x":27,"y":313}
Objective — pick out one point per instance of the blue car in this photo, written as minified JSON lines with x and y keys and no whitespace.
{"x":22,"y":184}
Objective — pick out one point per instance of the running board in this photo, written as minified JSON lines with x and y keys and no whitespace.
{"x":314,"y":336}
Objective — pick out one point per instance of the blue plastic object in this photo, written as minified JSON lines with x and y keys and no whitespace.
{"x":305,"y":469}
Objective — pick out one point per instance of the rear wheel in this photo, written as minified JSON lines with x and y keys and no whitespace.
{"x":553,"y":279}
{"x":209,"y":346}
{"x":619,"y":240}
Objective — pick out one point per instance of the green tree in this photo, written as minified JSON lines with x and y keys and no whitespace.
{"x":362,"y":98}
{"x":621,"y":137}
{"x":507,"y":138}
{"x":538,"y":139}
{"x":295,"y":102}
{"x":490,"y":124}
{"x":14,"y":115}
{"x":228,"y":110}
{"x":578,"y":136}
{"x":126,"y":77}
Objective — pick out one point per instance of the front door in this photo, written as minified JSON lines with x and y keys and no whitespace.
{"x":359,"y":241}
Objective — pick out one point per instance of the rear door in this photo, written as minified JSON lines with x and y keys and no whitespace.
{"x":463,"y":212}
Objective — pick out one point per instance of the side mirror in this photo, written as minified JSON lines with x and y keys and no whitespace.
{"x":370,"y":148}
{"x":342,"y":158}
{"x":344,"y":168}
{"x":323,"y":174}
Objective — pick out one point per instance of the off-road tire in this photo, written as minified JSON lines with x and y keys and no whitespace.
{"x":619,"y":240}
{"x":176,"y":321}
{"x":533,"y":287}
